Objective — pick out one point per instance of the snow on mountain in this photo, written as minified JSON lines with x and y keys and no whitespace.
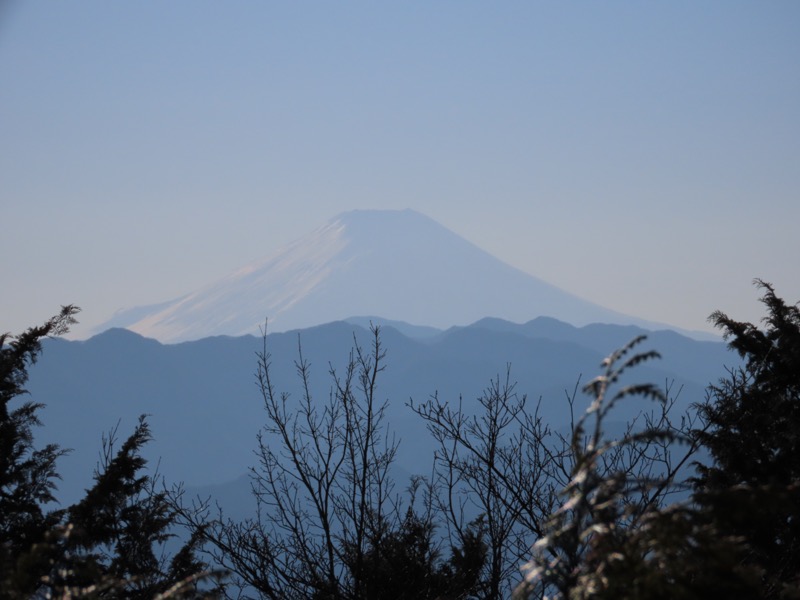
{"x":397,"y":264}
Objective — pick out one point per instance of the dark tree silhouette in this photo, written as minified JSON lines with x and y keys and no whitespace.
{"x":609,"y":538}
{"x":406,"y":563}
{"x":329,"y":523}
{"x":737,"y":536}
{"x":108,"y":545}
{"x":28,"y":475}
{"x":753,"y":434}
{"x":507,"y":465}
{"x":494,"y":475}
{"x":120,"y":528}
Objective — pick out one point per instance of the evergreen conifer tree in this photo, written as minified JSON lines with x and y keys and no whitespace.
{"x":120,"y":527}
{"x":27,"y":475}
{"x":752,"y":487}
{"x":108,"y":545}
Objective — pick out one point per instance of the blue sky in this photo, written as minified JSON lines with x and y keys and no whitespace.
{"x":645,"y":156}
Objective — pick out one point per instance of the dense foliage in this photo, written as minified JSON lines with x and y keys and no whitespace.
{"x":752,"y":487}
{"x":108,"y":545}
{"x":738,"y":535}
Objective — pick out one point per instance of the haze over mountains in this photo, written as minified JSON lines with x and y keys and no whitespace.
{"x":399,"y":265}
{"x":205,"y":409}
{"x":453,"y":317}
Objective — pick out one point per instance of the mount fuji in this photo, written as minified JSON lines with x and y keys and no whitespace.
{"x":400,"y":265}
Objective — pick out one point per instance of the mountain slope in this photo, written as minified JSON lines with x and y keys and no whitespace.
{"x":400,"y":265}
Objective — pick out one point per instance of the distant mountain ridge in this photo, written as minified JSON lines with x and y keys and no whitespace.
{"x":205,"y":409}
{"x":400,"y":265}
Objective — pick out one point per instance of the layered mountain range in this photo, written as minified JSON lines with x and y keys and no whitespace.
{"x":400,"y":265}
{"x":205,"y":409}
{"x":454,"y":318}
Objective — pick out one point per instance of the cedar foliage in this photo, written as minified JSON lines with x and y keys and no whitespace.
{"x":28,"y":474}
{"x":108,"y":545}
{"x":753,"y":435}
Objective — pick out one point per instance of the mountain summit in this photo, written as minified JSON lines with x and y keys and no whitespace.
{"x":397,"y":264}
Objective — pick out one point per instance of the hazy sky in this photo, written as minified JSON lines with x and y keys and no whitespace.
{"x":645,"y":156}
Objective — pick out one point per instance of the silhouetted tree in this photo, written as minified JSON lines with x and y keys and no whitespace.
{"x":753,"y":434}
{"x":121,"y":527}
{"x":505,"y":464}
{"x":407,"y":563}
{"x":28,"y":474}
{"x":609,"y":539}
{"x":111,"y":543}
{"x":737,"y":536}
{"x":329,"y":523}
{"x":493,"y":473}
